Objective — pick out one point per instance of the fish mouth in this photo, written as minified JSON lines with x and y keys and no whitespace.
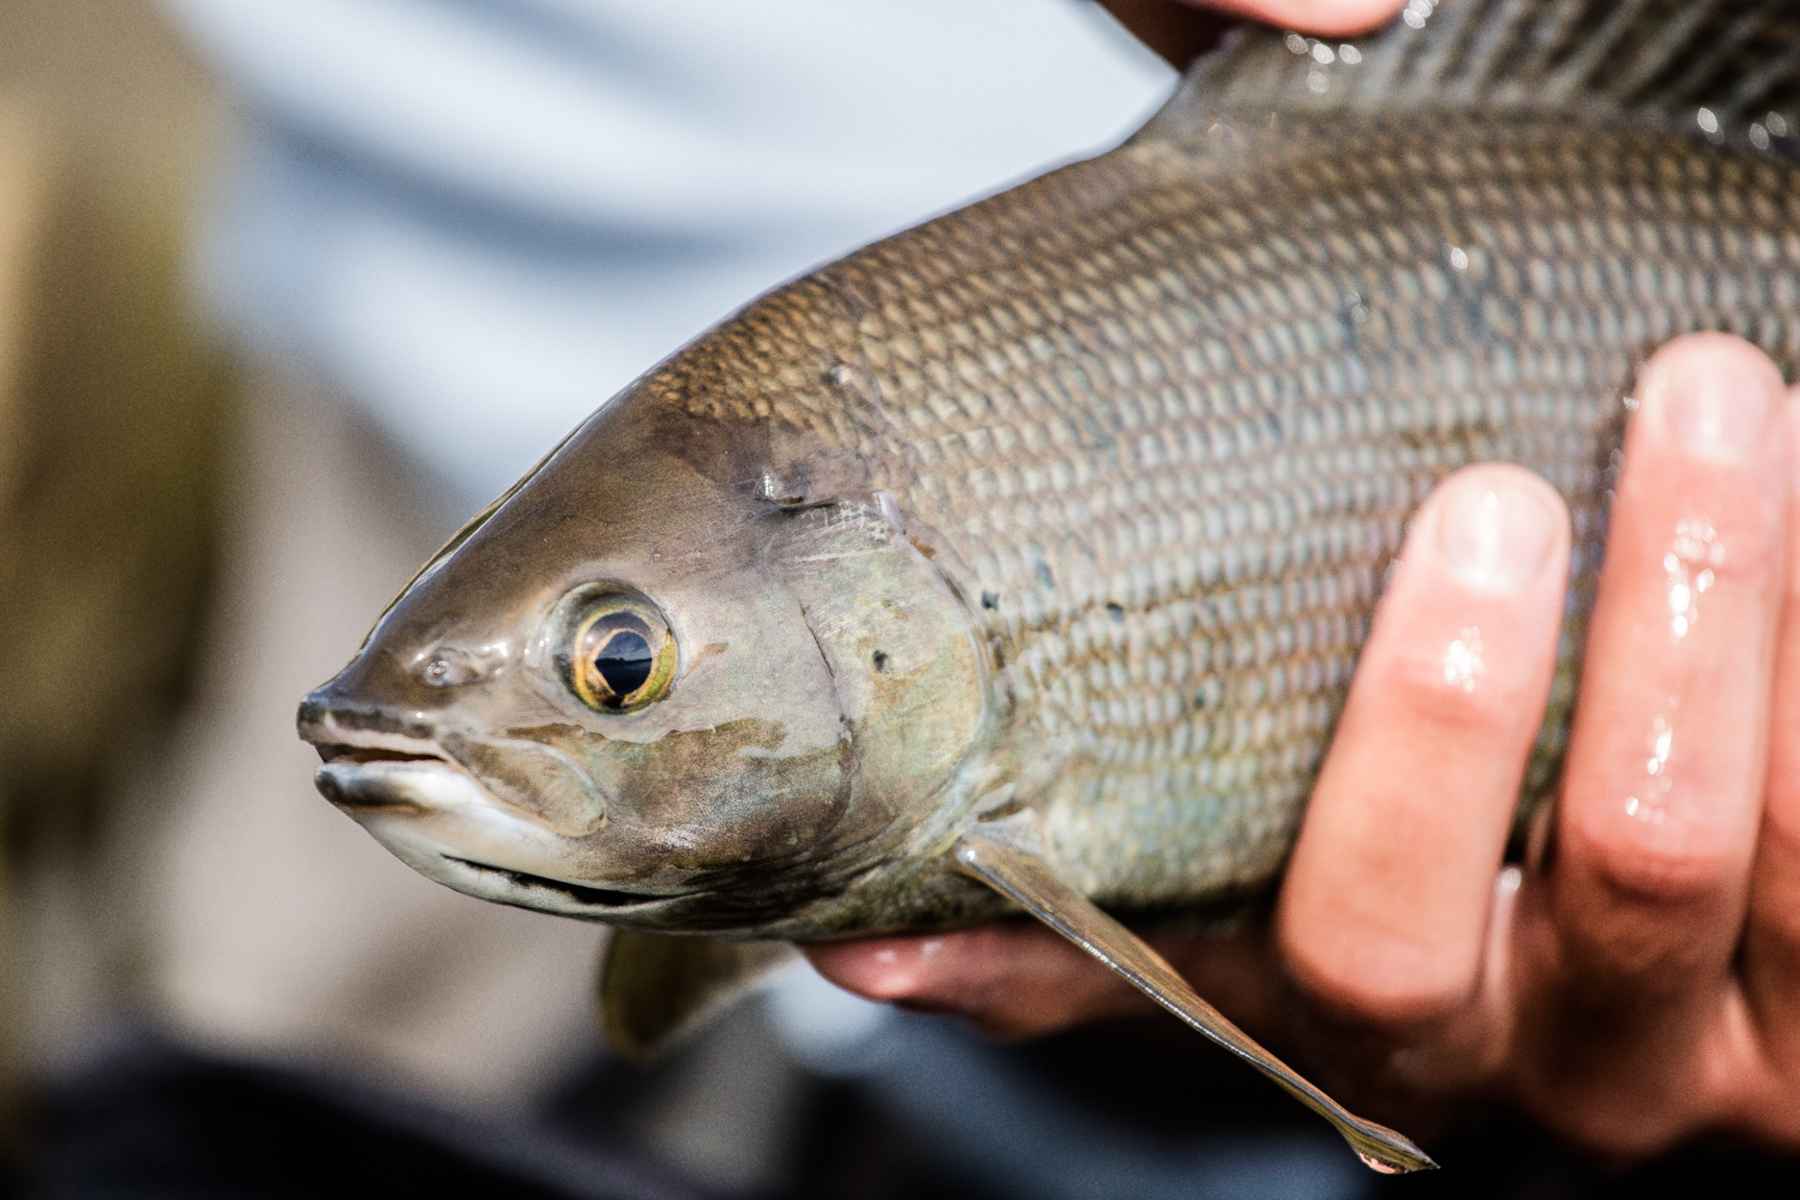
{"x":367,"y":758}
{"x":578,"y":892}
{"x":345,"y":752}
{"x":374,"y":773}
{"x":387,"y":774}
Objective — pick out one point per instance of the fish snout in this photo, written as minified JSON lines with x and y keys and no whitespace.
{"x":326,"y":719}
{"x":380,"y":691}
{"x":316,"y":721}
{"x":371,"y":758}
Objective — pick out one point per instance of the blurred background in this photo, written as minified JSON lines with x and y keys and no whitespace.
{"x":286,"y":292}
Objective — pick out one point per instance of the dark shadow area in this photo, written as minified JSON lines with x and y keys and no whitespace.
{"x":153,"y":1118}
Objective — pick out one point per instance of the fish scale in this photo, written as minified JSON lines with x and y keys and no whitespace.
{"x":1171,"y":434}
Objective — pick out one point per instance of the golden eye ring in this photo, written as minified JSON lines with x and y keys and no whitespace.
{"x":621,"y":655}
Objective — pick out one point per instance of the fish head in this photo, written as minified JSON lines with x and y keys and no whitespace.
{"x":639,"y":690}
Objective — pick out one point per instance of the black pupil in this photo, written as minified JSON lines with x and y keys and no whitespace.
{"x":624,"y":662}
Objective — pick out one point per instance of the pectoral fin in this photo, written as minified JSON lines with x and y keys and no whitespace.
{"x":1001,"y":859}
{"x":656,"y":989}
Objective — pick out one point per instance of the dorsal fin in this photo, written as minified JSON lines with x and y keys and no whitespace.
{"x":1725,"y":69}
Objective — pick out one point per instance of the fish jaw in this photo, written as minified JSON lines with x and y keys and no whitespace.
{"x":439,"y":819}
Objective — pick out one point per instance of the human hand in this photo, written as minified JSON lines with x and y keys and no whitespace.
{"x":1640,"y":980}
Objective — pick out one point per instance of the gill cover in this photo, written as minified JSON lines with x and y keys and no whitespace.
{"x":908,"y":668}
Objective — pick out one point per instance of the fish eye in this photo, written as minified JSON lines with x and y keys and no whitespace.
{"x":621,"y":655}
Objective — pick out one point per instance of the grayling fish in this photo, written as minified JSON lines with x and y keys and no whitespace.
{"x":1022,"y":559}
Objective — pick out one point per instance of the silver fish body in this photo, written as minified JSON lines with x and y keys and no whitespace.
{"x":1164,"y":437}
{"x":1148,"y":430}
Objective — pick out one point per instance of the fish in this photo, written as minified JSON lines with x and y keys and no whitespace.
{"x":1019,"y":562}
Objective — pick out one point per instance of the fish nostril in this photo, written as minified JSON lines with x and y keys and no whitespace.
{"x":449,"y":666}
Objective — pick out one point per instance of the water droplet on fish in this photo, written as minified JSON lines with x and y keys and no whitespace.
{"x":1418,"y":12}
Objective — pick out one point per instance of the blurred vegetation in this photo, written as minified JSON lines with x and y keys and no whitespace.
{"x":113,"y":423}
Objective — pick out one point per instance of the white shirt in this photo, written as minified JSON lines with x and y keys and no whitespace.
{"x":480,"y":218}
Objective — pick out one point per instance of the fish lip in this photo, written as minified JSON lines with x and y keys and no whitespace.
{"x":360,"y":751}
{"x":593,"y":897}
{"x":345,"y":779}
{"x":366,"y":735}
{"x":326,"y":723}
{"x":352,"y":759}
{"x":366,"y":753}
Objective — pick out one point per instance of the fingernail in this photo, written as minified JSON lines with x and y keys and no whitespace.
{"x":1496,"y":534}
{"x":1714,"y":406}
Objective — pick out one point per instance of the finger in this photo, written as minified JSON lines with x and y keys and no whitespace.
{"x":1662,"y":789}
{"x":1772,"y":940}
{"x":1337,"y":18}
{"x":1022,"y":980}
{"x":1387,"y":896}
{"x":1014,"y":980}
